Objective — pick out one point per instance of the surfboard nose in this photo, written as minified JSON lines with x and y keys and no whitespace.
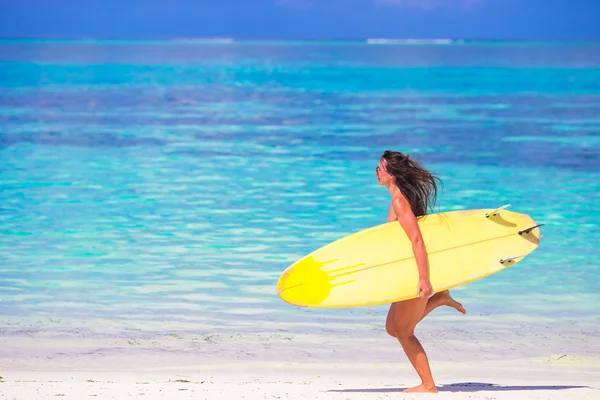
{"x":304,"y":283}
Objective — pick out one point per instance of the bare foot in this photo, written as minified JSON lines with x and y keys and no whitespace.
{"x":421,"y":389}
{"x":447,"y":300}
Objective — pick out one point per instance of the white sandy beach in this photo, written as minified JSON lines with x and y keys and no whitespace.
{"x":527,"y":379}
{"x":490,"y":363}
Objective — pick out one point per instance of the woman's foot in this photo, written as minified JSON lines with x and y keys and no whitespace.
{"x":446,"y":300}
{"x":421,"y":389}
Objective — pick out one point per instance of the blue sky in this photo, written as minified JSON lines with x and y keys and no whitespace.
{"x":303,"y":19}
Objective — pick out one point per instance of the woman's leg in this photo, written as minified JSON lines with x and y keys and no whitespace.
{"x":406,"y":315}
{"x":439,"y":299}
{"x":442,"y":299}
{"x":401,"y":325}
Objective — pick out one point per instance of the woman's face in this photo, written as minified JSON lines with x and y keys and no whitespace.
{"x":383,"y":177}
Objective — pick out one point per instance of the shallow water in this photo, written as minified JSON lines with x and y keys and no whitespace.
{"x":153,"y":183}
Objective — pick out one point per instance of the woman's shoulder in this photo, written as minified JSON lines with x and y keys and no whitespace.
{"x":399,"y":201}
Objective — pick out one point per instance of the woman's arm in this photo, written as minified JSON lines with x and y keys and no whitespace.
{"x":408,"y":221}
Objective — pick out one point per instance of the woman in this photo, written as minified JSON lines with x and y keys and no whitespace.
{"x":412,"y":188}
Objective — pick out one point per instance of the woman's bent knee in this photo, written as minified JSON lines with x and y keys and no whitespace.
{"x":390,"y":330}
{"x":391,"y":321}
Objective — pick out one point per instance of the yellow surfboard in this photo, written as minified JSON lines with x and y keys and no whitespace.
{"x":377,"y":265}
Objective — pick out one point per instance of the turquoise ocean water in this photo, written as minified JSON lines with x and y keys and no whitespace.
{"x":166,"y":184}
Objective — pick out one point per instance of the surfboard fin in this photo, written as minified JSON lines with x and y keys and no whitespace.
{"x":530,"y":229}
{"x":496,"y":211}
{"x":509,"y":260}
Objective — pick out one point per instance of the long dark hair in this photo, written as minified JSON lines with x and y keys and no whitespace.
{"x":418,"y":185}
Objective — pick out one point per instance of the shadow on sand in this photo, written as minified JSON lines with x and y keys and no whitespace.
{"x":464,"y":387}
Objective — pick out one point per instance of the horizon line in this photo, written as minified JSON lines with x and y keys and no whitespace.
{"x":375,"y":40}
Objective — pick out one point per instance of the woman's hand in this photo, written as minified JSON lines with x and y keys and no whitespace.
{"x":424,"y":289}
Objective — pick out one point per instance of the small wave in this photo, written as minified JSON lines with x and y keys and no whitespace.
{"x":216,"y":40}
{"x":412,"y":41}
